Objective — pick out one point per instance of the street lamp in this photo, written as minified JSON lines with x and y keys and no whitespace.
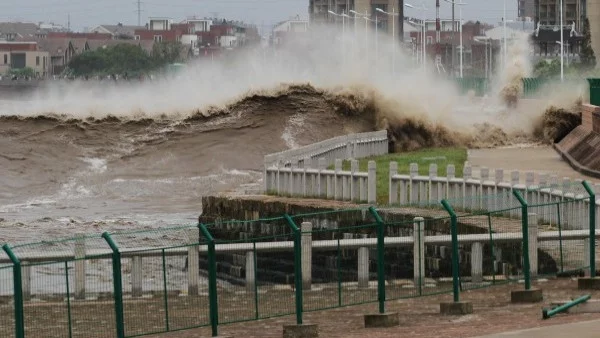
{"x":393,"y":14}
{"x":562,"y":48}
{"x":460,"y":4}
{"x":567,"y":44}
{"x":488,"y":64}
{"x":423,"y":32}
{"x":343,"y":33}
{"x":504,"y":24}
{"x":366,"y":17}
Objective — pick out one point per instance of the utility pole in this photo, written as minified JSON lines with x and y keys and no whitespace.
{"x":139,"y":12}
{"x":69,"y":22}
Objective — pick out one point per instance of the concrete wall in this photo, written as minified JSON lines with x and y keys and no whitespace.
{"x":322,"y":183}
{"x":593,"y":13}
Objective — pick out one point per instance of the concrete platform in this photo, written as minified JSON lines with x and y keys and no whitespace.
{"x":456,"y":308}
{"x":526,"y":296}
{"x":301,"y":331}
{"x":580,"y":330}
{"x":388,"y":319}
{"x":588,"y":283}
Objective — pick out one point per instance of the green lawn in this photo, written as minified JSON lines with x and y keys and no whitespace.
{"x":441,"y":156}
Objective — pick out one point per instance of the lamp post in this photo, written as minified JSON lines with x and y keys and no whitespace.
{"x":393,"y":14}
{"x":566,"y":44}
{"x":562,"y":45}
{"x":504,"y":33}
{"x":343,"y":33}
{"x":488,"y":64}
{"x":366,"y":17}
{"x":423,"y":33}
{"x":460,"y":4}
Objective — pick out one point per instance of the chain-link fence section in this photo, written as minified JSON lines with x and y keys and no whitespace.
{"x":144,"y":282}
{"x":7,"y":309}
{"x":255,"y":266}
{"x":66,"y":288}
{"x":160,"y":280}
{"x":339,"y":261}
{"x":489,"y":248}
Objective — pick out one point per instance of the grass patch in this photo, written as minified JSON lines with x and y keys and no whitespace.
{"x":440,"y":156}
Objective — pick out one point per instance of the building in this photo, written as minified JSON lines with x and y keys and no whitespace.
{"x":473,"y":51}
{"x":526,"y":9}
{"x":118,"y":31}
{"x":547,"y":12}
{"x":545,"y":44}
{"x":74,"y":35}
{"x":318,"y":11}
{"x":19,"y":55}
{"x":289,"y":29}
{"x":13,"y":31}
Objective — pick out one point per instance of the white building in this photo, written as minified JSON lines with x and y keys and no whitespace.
{"x":159,"y":24}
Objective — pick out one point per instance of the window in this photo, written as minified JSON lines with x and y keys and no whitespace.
{"x":37,"y":60}
{"x":5,"y":58}
{"x":429,"y":40}
{"x":137,"y":37}
{"x":158,"y":38}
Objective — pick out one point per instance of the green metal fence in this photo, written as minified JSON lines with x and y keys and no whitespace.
{"x":594,"y":91}
{"x":7,"y":310}
{"x":479,"y":86}
{"x":137,"y":283}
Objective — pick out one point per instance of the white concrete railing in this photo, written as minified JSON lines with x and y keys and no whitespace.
{"x":323,"y":183}
{"x":418,"y":241}
{"x":493,"y":193}
{"x":346,"y":147}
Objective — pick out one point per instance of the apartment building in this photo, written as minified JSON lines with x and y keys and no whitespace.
{"x":319,"y":12}
{"x":526,"y":9}
{"x":547,"y":12}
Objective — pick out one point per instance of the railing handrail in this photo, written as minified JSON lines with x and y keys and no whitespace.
{"x":324,"y":245}
{"x":316,"y":149}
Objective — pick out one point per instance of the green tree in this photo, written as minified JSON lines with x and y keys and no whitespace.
{"x":545,"y":69}
{"x":166,"y":52}
{"x":588,"y":59}
{"x":119,"y":59}
{"x":22,"y":72}
{"x":88,"y":63}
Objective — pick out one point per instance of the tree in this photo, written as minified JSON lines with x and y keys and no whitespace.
{"x":22,"y":72}
{"x":166,"y":52}
{"x":545,"y":69}
{"x":588,"y":59}
{"x":119,"y":59}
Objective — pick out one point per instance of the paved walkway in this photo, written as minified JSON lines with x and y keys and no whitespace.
{"x":580,"y":330}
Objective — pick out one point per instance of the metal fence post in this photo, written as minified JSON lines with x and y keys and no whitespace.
{"x":18,"y":292}
{"x":213,"y":304}
{"x":454,"y":236}
{"x":297,"y":266}
{"x":525,"y":231}
{"x":380,"y":259}
{"x":117,"y":285}
{"x":592,"y":206}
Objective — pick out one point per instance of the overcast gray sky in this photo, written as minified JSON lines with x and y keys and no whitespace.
{"x":87,"y":13}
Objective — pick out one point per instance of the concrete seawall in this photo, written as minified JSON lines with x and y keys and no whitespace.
{"x":581,"y":147}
